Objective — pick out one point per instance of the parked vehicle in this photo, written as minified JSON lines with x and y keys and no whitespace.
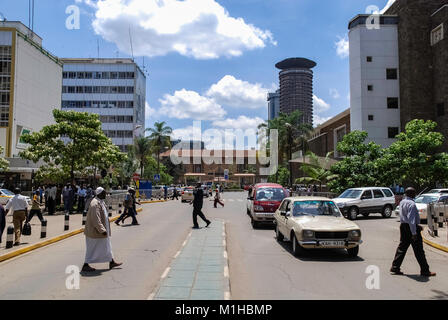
{"x":422,"y":202}
{"x":315,"y":223}
{"x":264,"y":199}
{"x":187,"y":194}
{"x":365,"y":201}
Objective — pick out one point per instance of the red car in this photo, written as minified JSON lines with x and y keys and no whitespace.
{"x":263,"y":201}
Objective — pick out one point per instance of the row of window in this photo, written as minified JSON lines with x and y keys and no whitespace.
{"x":117,"y":119}
{"x":98,"y":104}
{"x":98,"y":75}
{"x":97,"y":89}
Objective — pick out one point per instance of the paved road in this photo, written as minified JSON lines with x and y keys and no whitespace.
{"x":260,"y":267}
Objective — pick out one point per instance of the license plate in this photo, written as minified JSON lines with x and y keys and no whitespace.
{"x":332,"y":243}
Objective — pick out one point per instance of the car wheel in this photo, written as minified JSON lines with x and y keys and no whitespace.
{"x":353,"y":213}
{"x":278,"y":235}
{"x":296,"y":247}
{"x":353,"y":252}
{"x":387,"y":211}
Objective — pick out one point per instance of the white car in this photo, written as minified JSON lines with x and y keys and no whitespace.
{"x":423,"y":200}
{"x":365,"y":201}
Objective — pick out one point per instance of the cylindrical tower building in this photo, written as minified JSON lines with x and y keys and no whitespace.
{"x":296,"y":87}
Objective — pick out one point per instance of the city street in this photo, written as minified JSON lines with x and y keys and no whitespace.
{"x":260,"y":267}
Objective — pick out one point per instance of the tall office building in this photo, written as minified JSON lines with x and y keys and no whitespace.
{"x":398,"y":71}
{"x":30,"y":86}
{"x":296,"y":87}
{"x":115,"y":89}
{"x":273,"y":104}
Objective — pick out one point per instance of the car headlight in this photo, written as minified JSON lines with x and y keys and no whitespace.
{"x":308,"y":234}
{"x":258,"y":208}
{"x":355,"y":234}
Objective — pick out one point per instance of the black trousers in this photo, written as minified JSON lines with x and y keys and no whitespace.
{"x":35,"y":212}
{"x":198,"y":212}
{"x":417,"y":246}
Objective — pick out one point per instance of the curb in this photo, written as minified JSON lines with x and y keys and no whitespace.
{"x":41,"y":244}
{"x":433,"y":244}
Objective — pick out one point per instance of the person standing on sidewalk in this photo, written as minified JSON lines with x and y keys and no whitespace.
{"x":410,"y":234}
{"x":2,"y":221}
{"x":198,"y":202}
{"x":19,"y":207}
{"x":217,"y":199}
{"x":98,"y":233}
{"x":35,"y":209}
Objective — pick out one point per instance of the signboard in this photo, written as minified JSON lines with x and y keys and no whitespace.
{"x":226,"y":174}
{"x":136,"y":177}
{"x":157,"y":177}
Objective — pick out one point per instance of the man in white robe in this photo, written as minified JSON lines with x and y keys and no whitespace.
{"x":97,"y":232}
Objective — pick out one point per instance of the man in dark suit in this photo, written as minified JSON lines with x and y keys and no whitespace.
{"x":197,"y":207}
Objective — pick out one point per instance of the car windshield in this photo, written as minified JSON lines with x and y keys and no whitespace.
{"x":270,"y":194}
{"x":350,"y":194}
{"x":426,"y":199}
{"x":315,"y":208}
{"x":7,"y":192}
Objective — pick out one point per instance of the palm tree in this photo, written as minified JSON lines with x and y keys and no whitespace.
{"x":160,"y":138}
{"x":141,"y":149}
{"x":318,"y":170}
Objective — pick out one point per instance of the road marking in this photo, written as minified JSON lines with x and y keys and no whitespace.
{"x":165,"y":273}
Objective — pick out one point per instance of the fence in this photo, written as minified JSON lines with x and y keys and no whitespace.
{"x":314,"y":194}
{"x":437,"y":217}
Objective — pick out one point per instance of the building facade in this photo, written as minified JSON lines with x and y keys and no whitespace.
{"x":296,"y":87}
{"x":273,"y":104}
{"x":30,"y":85}
{"x":398,"y":71}
{"x":115,"y":89}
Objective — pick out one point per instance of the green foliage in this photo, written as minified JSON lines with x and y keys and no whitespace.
{"x":85,"y":143}
{"x":317,"y":171}
{"x":3,"y":162}
{"x":359,"y":168}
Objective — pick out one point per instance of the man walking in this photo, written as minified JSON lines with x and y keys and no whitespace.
{"x":197,"y":207}
{"x":19,"y":207}
{"x":97,"y":232}
{"x":410,"y":234}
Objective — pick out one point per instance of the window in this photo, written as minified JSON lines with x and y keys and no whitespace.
{"x":392,"y":103}
{"x":370,"y":87}
{"x":391,"y":74}
{"x":370,"y":117}
{"x":369,"y":59}
{"x":392,"y":132}
{"x":437,"y":35}
{"x":377,"y":194}
{"x":440,"y":109}
{"x":366,"y":195}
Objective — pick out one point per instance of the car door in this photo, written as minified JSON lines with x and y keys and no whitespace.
{"x":366,"y":200}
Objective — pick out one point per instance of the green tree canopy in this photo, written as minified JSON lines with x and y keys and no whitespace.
{"x":73,"y":143}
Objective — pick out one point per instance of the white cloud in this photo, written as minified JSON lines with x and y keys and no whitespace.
{"x":318,"y":120}
{"x":388,"y":5}
{"x":342,"y":47}
{"x":233,"y":92}
{"x":201,"y":29}
{"x":242,"y":122}
{"x":320,"y":105}
{"x":185,"y":104}
{"x":335,"y":93}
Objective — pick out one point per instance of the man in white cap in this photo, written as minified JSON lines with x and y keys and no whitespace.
{"x":97,"y":231}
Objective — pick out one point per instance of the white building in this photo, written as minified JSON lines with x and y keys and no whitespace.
{"x":30,"y":85}
{"x":374,"y":78}
{"x":115,"y":89}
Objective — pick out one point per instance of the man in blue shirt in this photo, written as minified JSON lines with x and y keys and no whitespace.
{"x":410,"y":234}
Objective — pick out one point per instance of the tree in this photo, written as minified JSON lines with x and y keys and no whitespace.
{"x":160,"y":138}
{"x":359,"y":168}
{"x":141,"y":149}
{"x":414,"y":158}
{"x":318,"y":170}
{"x":3,"y":162}
{"x":73,"y":143}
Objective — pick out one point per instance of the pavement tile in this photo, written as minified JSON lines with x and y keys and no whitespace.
{"x":207,"y":295}
{"x":173,"y":293}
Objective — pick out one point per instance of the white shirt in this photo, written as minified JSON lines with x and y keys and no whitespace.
{"x":18,"y":203}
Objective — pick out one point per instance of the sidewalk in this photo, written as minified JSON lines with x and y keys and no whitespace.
{"x":200,"y":270}
{"x":440,"y":242}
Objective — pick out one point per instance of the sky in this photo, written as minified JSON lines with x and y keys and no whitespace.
{"x":207,"y":60}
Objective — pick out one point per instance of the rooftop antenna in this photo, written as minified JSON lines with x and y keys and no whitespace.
{"x":130,"y":39}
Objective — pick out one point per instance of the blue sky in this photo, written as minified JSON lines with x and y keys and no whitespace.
{"x":210,"y":60}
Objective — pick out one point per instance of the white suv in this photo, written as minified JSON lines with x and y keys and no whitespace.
{"x":365,"y":201}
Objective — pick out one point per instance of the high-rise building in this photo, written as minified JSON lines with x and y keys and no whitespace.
{"x":296,"y":87}
{"x":30,"y":86}
{"x":398,"y":69}
{"x":115,"y":89}
{"x":273,"y":104}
